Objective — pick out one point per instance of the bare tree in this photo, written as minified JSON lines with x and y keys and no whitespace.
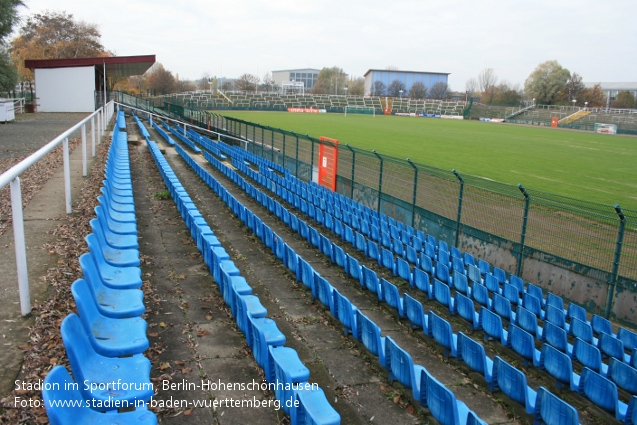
{"x":471,"y":86}
{"x":418,"y":90}
{"x":378,"y":88}
{"x":247,"y":82}
{"x":396,"y":88}
{"x":486,"y":79}
{"x":439,"y":90}
{"x":268,"y":82}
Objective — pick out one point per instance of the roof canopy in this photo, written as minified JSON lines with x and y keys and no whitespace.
{"x":116,"y":66}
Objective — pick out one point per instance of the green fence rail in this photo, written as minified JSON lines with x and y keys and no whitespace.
{"x":581,"y":236}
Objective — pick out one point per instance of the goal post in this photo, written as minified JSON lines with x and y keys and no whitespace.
{"x":361,"y":110}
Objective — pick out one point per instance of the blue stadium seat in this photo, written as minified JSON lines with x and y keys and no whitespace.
{"x":426,"y":264}
{"x":403,"y":270}
{"x":582,"y":330}
{"x":629,"y":338}
{"x":345,"y":312}
{"x":491,"y":323}
{"x":62,"y":392}
{"x":480,"y":294}
{"x":402,"y":368}
{"x":523,"y":343}
{"x":473,"y":273}
{"x":392,"y":296}
{"x":612,"y":347}
{"x":324,"y":293}
{"x":372,"y":250}
{"x":415,"y":312}
{"x":360,"y":242}
{"x":559,"y":365}
{"x":623,"y":375}
{"x":422,"y":282}
{"x":339,"y":256}
{"x":533,"y":304}
{"x":386,"y":259}
{"x":601,"y":325}
{"x":109,"y":337}
{"x":603,"y":392}
{"x":370,"y":281}
{"x":473,"y":354}
{"x":536,"y":292}
{"x":311,"y":407}
{"x":353,"y":268}
{"x":557,"y":337}
{"x":441,"y":331}
{"x":460,"y":282}
{"x":512,"y":382}
{"x":264,"y":333}
{"x":528,"y":321}
{"x":552,"y":410}
{"x":442,"y":273}
{"x":443,"y":405}
{"x":502,"y":306}
{"x":492,"y":283}
{"x":287,"y":370}
{"x":465,"y":308}
{"x":442,"y":293}
{"x":370,"y":335}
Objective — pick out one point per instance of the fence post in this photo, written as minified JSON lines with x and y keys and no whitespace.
{"x":84,"y":163}
{"x":272,"y":146}
{"x":353,"y":169}
{"x":283,"y":150}
{"x":296,"y":168}
{"x":413,"y":202}
{"x":460,"y":199}
{"x":20,"y":246}
{"x":527,"y":203}
{"x":93,"y":134}
{"x":380,"y":178}
{"x":618,"y":253}
{"x":67,"y":175}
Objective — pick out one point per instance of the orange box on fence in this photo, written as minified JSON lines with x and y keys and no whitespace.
{"x":554,"y":121}
{"x":328,"y":161}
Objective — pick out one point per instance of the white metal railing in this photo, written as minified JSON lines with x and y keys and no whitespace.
{"x":12,"y":177}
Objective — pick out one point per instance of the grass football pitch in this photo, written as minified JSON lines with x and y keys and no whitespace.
{"x":582,"y":165}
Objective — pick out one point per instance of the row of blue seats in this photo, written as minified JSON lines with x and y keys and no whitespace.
{"x":609,"y":344}
{"x":163,"y":134}
{"x":352,"y":319}
{"x":427,"y":390}
{"x":621,"y":374}
{"x":620,"y":371}
{"x":105,"y":342}
{"x":181,"y":137}
{"x":281,"y":364}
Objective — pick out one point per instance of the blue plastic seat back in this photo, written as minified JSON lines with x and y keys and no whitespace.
{"x":443,"y":257}
{"x":324,"y":290}
{"x":292,"y":259}
{"x":500,"y":275}
{"x":432,"y":241}
{"x":511,"y":293}
{"x":533,"y":304}
{"x":491,"y":283}
{"x":464,"y":307}
{"x":372,"y":250}
{"x":403,"y":269}
{"x":414,"y":311}
{"x":491,"y":323}
{"x":601,"y":324}
{"x":361,"y":242}
{"x":417,"y":244}
{"x":442,"y":293}
{"x":522,"y":342}
{"x":480,"y":294}
{"x":460,"y":282}
{"x":386,"y":259}
{"x":441,"y":331}
{"x":557,"y":363}
{"x":374,"y":233}
{"x":623,"y":375}
{"x":426,"y":264}
{"x":442,"y":246}
{"x":555,"y":336}
{"x":511,"y":381}
{"x":345,"y":312}
{"x":552,"y":410}
{"x":311,"y":407}
{"x":526,"y":320}
{"x":587,"y":354}
{"x":457,"y":265}
{"x":370,"y":280}
{"x":442,"y":403}
{"x":400,"y":364}
{"x":629,"y":338}
{"x":555,"y":301}
{"x":581,"y":330}
{"x":455,"y":253}
{"x":422,"y":281}
{"x":411,"y":254}
{"x":473,"y":354}
{"x":385,"y":240}
{"x":307,"y":273}
{"x":502,"y":306}
{"x":610,"y":346}
{"x":555,"y":315}
{"x":326,"y":246}
{"x":314,"y":237}
{"x":348,"y":235}
{"x":469,"y":259}
{"x":397,"y":247}
{"x":473,"y":273}
{"x":353,"y":268}
{"x":391,"y":295}
{"x":430,"y":251}
{"x":575,"y":311}
{"x":370,"y":336}
{"x":339,"y":256}
{"x":484,"y":267}
{"x":442,"y":273}
{"x":601,"y":391}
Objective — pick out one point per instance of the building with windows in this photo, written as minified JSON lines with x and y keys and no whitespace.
{"x":306,"y":76}
{"x":374,"y":78}
{"x":612,"y":89}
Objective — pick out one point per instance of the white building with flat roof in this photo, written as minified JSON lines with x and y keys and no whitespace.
{"x":307,"y":77}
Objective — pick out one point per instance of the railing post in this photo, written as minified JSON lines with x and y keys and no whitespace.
{"x":380,"y":178}
{"x":84,"y":163}
{"x":296,"y":167}
{"x":460,"y":198}
{"x":353,"y":169}
{"x":283,"y":150}
{"x":20,"y":246}
{"x":618,"y":253}
{"x":98,"y":121}
{"x":67,"y":175}
{"x":93,"y":134}
{"x":415,"y":194}
{"x":525,"y":219}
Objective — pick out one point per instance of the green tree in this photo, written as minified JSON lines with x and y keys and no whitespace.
{"x":397,"y":88}
{"x":594,"y":96}
{"x":55,"y":35}
{"x":507,"y":95}
{"x":418,"y":90}
{"x":624,"y":100}
{"x":330,"y":81}
{"x":8,"y":18}
{"x":547,"y":82}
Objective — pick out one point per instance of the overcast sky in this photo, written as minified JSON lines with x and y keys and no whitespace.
{"x":597,"y":39}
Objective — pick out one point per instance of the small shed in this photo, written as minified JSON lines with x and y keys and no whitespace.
{"x":70,"y":85}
